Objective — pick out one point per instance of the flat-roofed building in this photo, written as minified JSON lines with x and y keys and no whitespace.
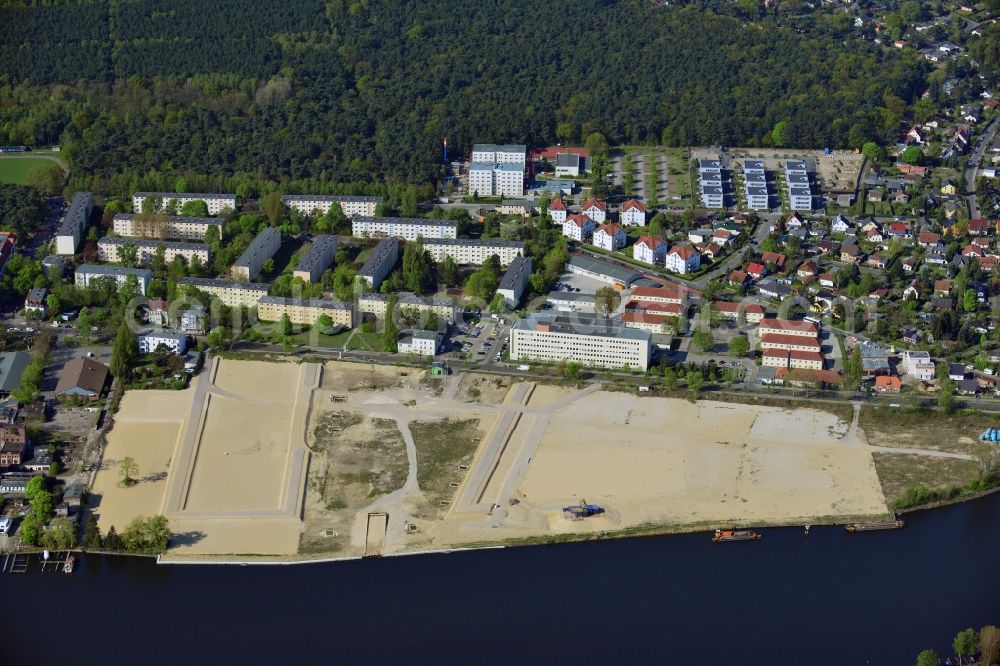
{"x":757,"y":198}
{"x":231,"y":293}
{"x":109,"y":250}
{"x":423,"y":343}
{"x":305,"y":311}
{"x":216,"y":203}
{"x":376,"y":304}
{"x":87,"y":273}
{"x":753,"y":166}
{"x":150,"y":340}
{"x":380,"y":262}
{"x":799,"y":185}
{"x":319,"y":258}
{"x":496,"y":179}
{"x":73,"y":223}
{"x":164,"y":226}
{"x":500,"y":153}
{"x":603,"y":271}
{"x":586,"y":339}
{"x":311,"y":204}
{"x":407,"y":228}
{"x":515,"y":281}
{"x":262,"y":248}
{"x":473,"y":251}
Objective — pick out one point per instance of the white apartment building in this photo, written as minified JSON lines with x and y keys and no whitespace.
{"x":578,"y":226}
{"x":496,"y":179}
{"x":73,"y":223}
{"x":753,"y":167}
{"x":787,"y":327}
{"x":919,"y":365}
{"x":789,"y":342}
{"x":150,"y":340}
{"x":109,"y":248}
{"x":312,"y":204}
{"x":472,"y":251}
{"x":650,"y":250}
{"x":796,"y":359}
{"x":633,"y":214}
{"x":305,"y":311}
{"x":710,"y":183}
{"x":380,"y":262}
{"x":376,"y":304}
{"x":595,"y":210}
{"x":262,"y":248}
{"x":406,"y":228}
{"x":319,"y":257}
{"x":86,"y":273}
{"x":585,"y":339}
{"x":216,"y":203}
{"x":164,"y":226}
{"x":515,"y":281}
{"x":500,"y":154}
{"x":757,"y":198}
{"x":229,"y":292}
{"x":610,"y":237}
{"x":682,"y":258}
{"x":557,"y":211}
{"x":423,"y":343}
{"x":798,"y":184}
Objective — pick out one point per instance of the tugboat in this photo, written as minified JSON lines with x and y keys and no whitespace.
{"x":877,"y":525}
{"x":69,"y":564}
{"x":735,"y":535}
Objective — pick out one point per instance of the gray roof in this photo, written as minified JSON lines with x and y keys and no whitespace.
{"x":798,"y":179}
{"x":257,"y":245}
{"x":473,"y":242}
{"x":406,"y":298}
{"x":753,"y":165}
{"x":324,"y":303}
{"x":37,"y":294}
{"x":517,"y":268}
{"x":167,"y":333}
{"x":594,"y":266}
{"x":76,"y":214}
{"x":796,"y":165}
{"x":799,"y":192}
{"x":224,"y":284}
{"x":186,"y":195}
{"x":94,"y":269}
{"x":582,"y":324}
{"x":330,"y":197}
{"x":320,"y":254}
{"x":12,"y":365}
{"x":756,"y":190}
{"x":499,"y":148}
{"x":709,"y":164}
{"x":498,"y":166}
{"x":418,"y":221}
{"x":387,"y":248}
{"x":709,"y":189}
{"x":568,"y":159}
{"x":150,"y":242}
{"x":756,"y":178}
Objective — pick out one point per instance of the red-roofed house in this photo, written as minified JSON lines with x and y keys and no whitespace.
{"x":775,"y":258}
{"x":647,"y":321}
{"x":633,"y":213}
{"x":928,"y":239}
{"x":595,"y":210}
{"x":710,"y":250}
{"x":722,"y":236}
{"x":887,"y":384}
{"x":682,"y":258}
{"x":578,"y":226}
{"x":557,"y":211}
{"x":788,"y":327}
{"x":739,"y":278}
{"x":650,"y":250}
{"x":807,"y":269}
{"x":784,"y":358}
{"x":788,"y":342}
{"x":826,"y":280}
{"x":972,"y":251}
{"x":610,"y":237}
{"x":875,"y":236}
{"x":656,"y":295}
{"x":752,"y":313}
{"x":756,"y":271}
{"x":979,"y":226}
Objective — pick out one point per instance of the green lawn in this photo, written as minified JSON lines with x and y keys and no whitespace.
{"x":15,"y":169}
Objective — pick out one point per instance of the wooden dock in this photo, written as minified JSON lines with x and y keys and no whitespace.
{"x":15,"y":563}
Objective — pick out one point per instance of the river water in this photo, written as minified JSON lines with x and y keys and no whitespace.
{"x":829,"y":598}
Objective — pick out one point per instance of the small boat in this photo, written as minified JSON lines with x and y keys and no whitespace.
{"x":873,"y":526}
{"x":735,"y":535}
{"x":68,"y":564}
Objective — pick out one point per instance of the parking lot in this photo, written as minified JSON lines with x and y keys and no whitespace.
{"x":483,"y":342}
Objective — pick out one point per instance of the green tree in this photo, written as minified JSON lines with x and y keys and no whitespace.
{"x":703,"y":340}
{"x":194,"y":208}
{"x":739,"y":346}
{"x":31,"y":529}
{"x":60,"y":535}
{"x":122,"y":350}
{"x":695,"y":381}
{"x":482,"y":284}
{"x":268,"y":266}
{"x":274,"y":208}
{"x":212,"y":237}
{"x":670,"y":379}
{"x":912,"y":155}
{"x":91,"y":533}
{"x":966,"y":644}
{"x":606,"y":300}
{"x":416,"y":267}
{"x":853,"y":368}
{"x":946,"y":396}
{"x":928,"y":658}
{"x":596,"y":144}
{"x":872,"y":151}
{"x":969,"y":300}
{"x":128,"y":470}
{"x":84,"y":324}
{"x":447,"y":271}
{"x":390,"y":331}
{"x":286,"y":325}
{"x":113,"y":541}
{"x":571,"y":370}
{"x":34,"y":486}
{"x":779,"y":135}
{"x":128,"y":253}
{"x":129,"y":291}
{"x":324,"y":324}
{"x":48,"y":178}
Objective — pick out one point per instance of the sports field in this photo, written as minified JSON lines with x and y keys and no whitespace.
{"x":14,"y":170}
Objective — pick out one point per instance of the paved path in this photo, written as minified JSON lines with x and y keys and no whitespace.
{"x":971,"y":171}
{"x":921,"y":452}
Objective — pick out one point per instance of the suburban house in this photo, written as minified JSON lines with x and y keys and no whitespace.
{"x":633,"y":214}
{"x":34,"y":303}
{"x":956,"y":372}
{"x":682,"y":258}
{"x":807,"y":269}
{"x":775,"y":258}
{"x":82,"y":377}
{"x":850,"y":254}
{"x":557,"y":211}
{"x":578,"y":226}
{"x":887,"y":384}
{"x":756,"y":271}
{"x":650,"y":250}
{"x":752,"y":313}
{"x":595,"y":210}
{"x":610,"y":237}
{"x":826,"y":280}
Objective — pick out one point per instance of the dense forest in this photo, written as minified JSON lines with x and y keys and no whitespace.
{"x":364,"y":90}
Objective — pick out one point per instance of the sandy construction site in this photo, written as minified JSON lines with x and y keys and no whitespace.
{"x":346,"y":459}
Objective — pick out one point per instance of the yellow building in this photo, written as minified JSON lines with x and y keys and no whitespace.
{"x":305,"y":311}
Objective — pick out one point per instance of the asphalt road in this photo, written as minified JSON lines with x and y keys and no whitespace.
{"x":974,"y":159}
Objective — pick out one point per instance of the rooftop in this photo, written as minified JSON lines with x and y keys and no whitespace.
{"x":405,"y":298}
{"x":224,"y":284}
{"x":173,"y":219}
{"x":94,"y":269}
{"x":473,"y":242}
{"x":76,"y":215}
{"x":12,"y":365}
{"x":266,"y":236}
{"x":323,"y":303}
{"x":387,"y":248}
{"x":138,"y":242}
{"x":499,"y":148}
{"x":320,"y":253}
{"x":519,"y":267}
{"x":186,"y":195}
{"x":601,"y":268}
{"x":84,"y":373}
{"x":418,"y":221}
{"x":330,"y":197}
{"x":580,"y":324}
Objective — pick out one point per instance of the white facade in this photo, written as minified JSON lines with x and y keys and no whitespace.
{"x":500,"y":154}
{"x":471,"y":251}
{"x":423,"y":343}
{"x":652,"y":251}
{"x":496,"y":180}
{"x":164,"y":226}
{"x":610,"y":237}
{"x":919,"y":365}
{"x":633,"y":214}
{"x":86,"y":273}
{"x":311,"y":204}
{"x":263,"y":247}
{"x":402,"y":227}
{"x":108,"y":250}
{"x":150,"y":340}
{"x":585,"y":339}
{"x":578,"y":227}
{"x":515,"y":281}
{"x":376,"y":304}
{"x":757,"y":198}
{"x":682,"y":259}
{"x":595,"y":210}
{"x":557,"y":211}
{"x":216,"y":203}
{"x":73,"y":223}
